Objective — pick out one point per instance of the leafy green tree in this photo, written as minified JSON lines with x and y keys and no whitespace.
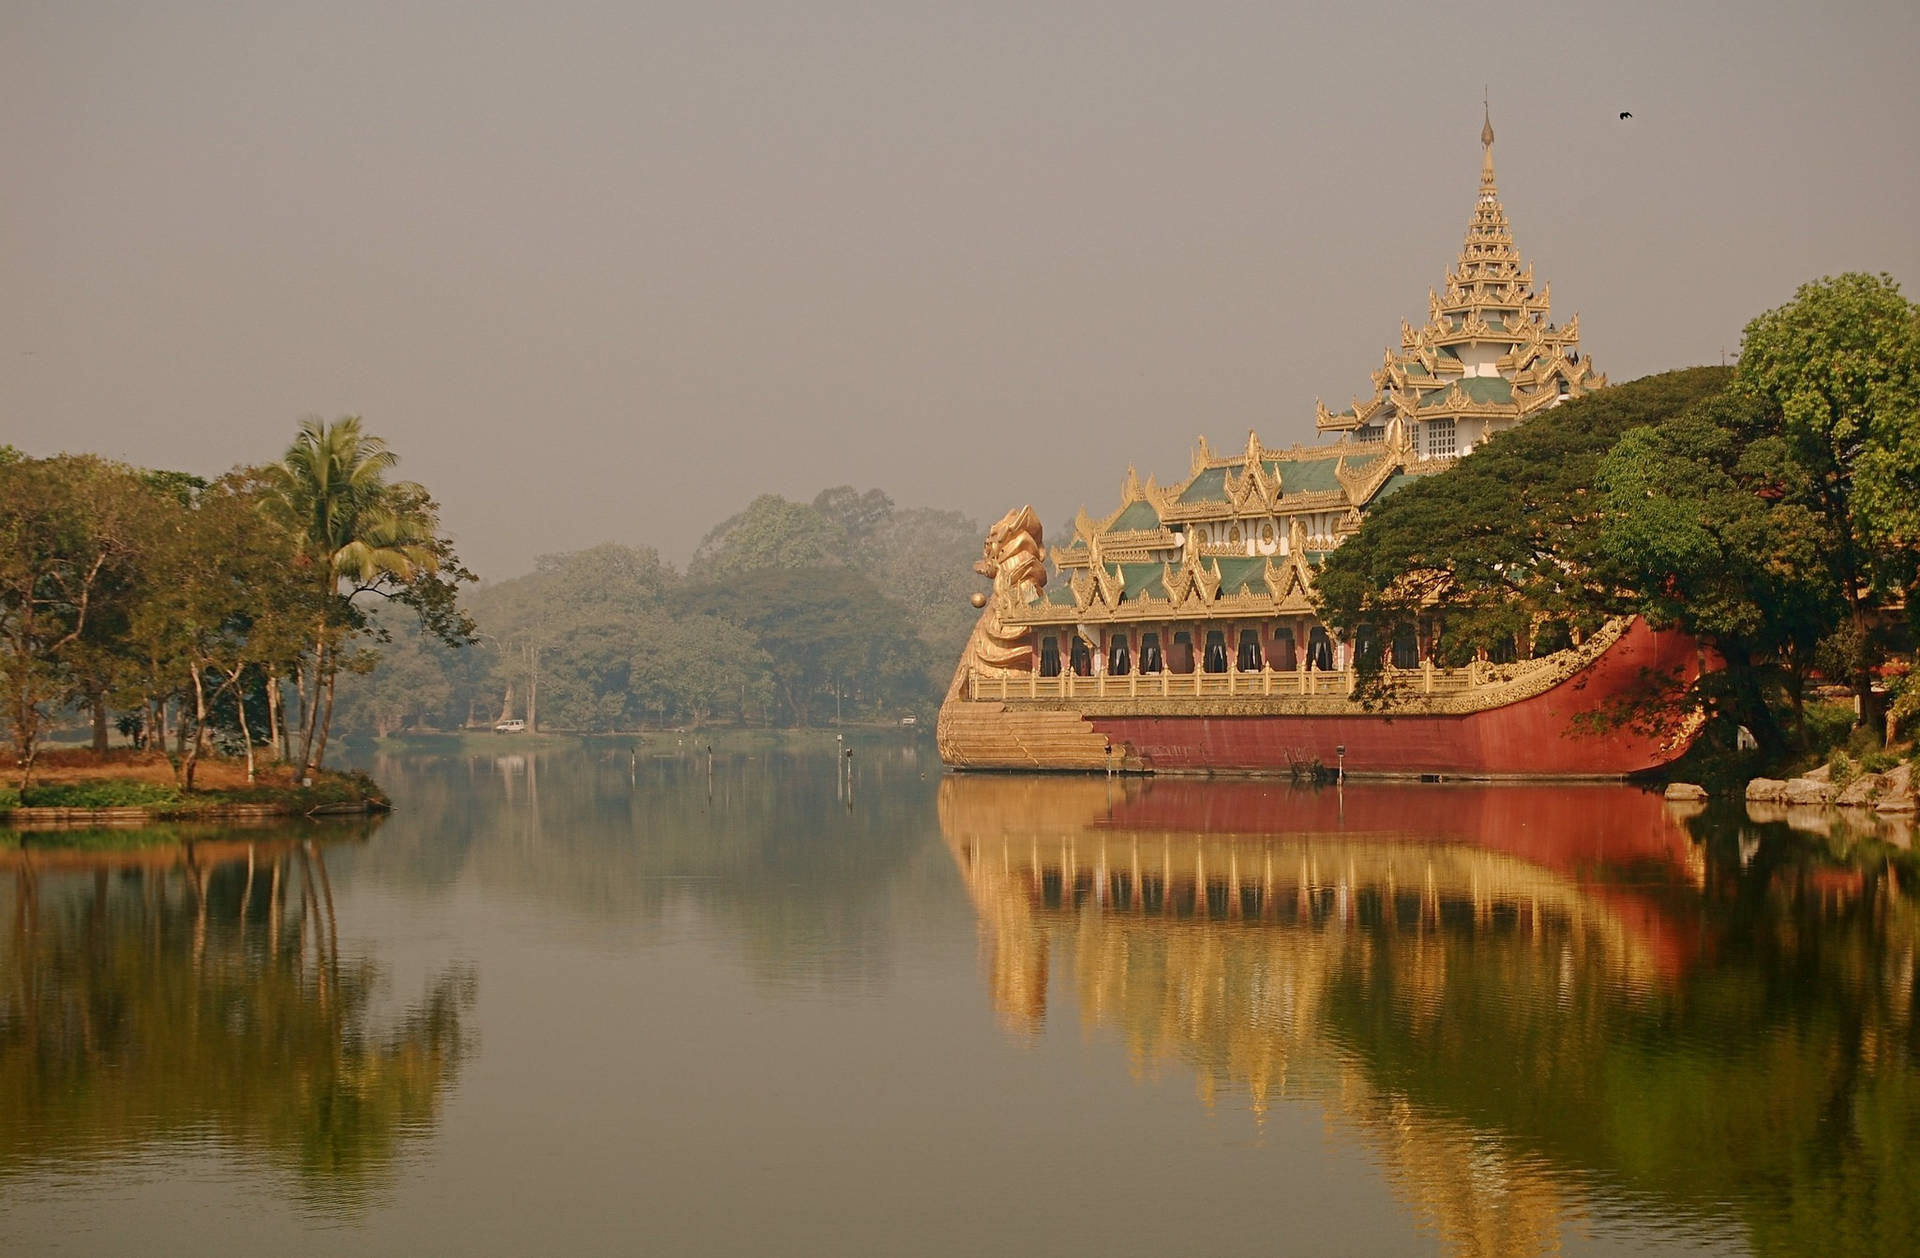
{"x":1692,"y":536}
{"x":826,"y":631}
{"x":771,"y":533}
{"x":67,"y":527}
{"x":863,"y":519}
{"x":1510,"y":536}
{"x":1836,"y":373}
{"x":925,"y":563}
{"x":357,"y":534}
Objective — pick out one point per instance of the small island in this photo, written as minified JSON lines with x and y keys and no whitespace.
{"x":132,"y":788}
{"x":207,"y":622}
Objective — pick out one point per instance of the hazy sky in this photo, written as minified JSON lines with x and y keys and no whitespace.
{"x":603,"y":271}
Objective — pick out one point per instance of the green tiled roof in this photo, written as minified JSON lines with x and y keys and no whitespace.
{"x":1243,"y":576}
{"x":1366,"y":468}
{"x":1140,"y":516}
{"x":1059,"y":594}
{"x":1144,"y":580}
{"x":1395,"y":483}
{"x":1209,"y":486}
{"x":1450,"y":351}
{"x":1480,"y":389}
{"x":1416,"y":368}
{"x":1305,"y":476}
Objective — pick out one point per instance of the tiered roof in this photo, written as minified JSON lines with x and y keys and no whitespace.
{"x":1489,"y":316}
{"x":1243,"y":533}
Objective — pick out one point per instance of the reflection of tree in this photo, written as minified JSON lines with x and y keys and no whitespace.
{"x":155,"y":1002}
{"x":773,"y":854}
{"x":1509,"y":1034}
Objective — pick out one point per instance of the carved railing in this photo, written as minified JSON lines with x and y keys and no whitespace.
{"x":1427,"y":688}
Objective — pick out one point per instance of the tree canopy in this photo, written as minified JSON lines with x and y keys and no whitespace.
{"x":1770,"y":510}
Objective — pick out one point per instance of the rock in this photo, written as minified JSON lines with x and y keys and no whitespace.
{"x":1685,"y":790}
{"x":1822,"y":774}
{"x":1862,"y":791}
{"x":1900,"y":780}
{"x":1809,"y":791}
{"x":1767,"y":790}
{"x":1897,"y":795}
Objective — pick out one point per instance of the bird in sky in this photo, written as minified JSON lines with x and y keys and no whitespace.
{"x":1624,"y":115}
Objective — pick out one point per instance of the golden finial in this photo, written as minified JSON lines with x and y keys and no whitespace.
{"x":1486,"y":144}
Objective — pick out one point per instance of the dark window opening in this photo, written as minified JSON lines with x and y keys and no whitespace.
{"x":1406,"y":649}
{"x":1216,"y":661}
{"x":1049,"y":657}
{"x":1081,"y":658}
{"x":1150,"y":653}
{"x":1249,"y":653}
{"x":1119,"y":662}
{"x":1366,"y":645}
{"x":1319,"y":650}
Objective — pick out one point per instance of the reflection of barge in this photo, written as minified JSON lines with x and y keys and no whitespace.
{"x":1344,"y":948}
{"x":1179,"y":633}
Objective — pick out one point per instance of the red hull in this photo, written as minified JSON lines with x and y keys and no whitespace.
{"x":1572,"y":730}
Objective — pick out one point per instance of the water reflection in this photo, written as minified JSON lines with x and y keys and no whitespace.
{"x":761,"y":847}
{"x":1536,"y":1007}
{"x":188,"y":988}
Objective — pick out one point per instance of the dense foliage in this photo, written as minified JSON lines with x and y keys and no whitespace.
{"x":182,"y":604}
{"x":790,"y":613}
{"x":1769,"y":510}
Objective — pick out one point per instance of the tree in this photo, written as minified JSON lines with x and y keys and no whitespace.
{"x":770,"y":533}
{"x":861,"y":518}
{"x":1836,"y":373}
{"x":67,"y":525}
{"x":356,"y":534}
{"x":824,"y":630}
{"x":1508,"y":537}
{"x":1696,"y":534}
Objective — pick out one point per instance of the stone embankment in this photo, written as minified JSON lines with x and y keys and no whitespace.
{"x":1889,"y":792}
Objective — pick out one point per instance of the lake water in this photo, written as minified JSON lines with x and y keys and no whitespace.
{"x":573,"y":1002}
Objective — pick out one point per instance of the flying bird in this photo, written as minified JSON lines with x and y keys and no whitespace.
{"x":1624,"y":115}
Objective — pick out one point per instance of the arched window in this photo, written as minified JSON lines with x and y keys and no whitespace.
{"x":1081,"y":658}
{"x":1119,"y":661}
{"x":1406,"y":648}
{"x":1150,"y":653}
{"x":1049,"y":656}
{"x":1319,"y":650}
{"x":1216,"y":660}
{"x":1247,"y":658}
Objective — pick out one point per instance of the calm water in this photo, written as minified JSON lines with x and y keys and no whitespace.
{"x":561,"y":1003}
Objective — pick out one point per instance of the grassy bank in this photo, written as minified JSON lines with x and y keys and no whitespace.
{"x":86,"y":781}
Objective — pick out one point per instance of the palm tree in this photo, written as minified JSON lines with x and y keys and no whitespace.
{"x":357,"y":531}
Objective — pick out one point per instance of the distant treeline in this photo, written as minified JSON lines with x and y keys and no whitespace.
{"x":789,"y":613}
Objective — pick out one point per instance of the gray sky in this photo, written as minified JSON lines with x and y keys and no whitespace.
{"x":603,"y":271}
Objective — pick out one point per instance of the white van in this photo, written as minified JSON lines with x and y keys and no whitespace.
{"x":510,"y":727}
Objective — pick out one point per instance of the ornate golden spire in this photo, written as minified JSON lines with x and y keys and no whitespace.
{"x":1486,"y":142}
